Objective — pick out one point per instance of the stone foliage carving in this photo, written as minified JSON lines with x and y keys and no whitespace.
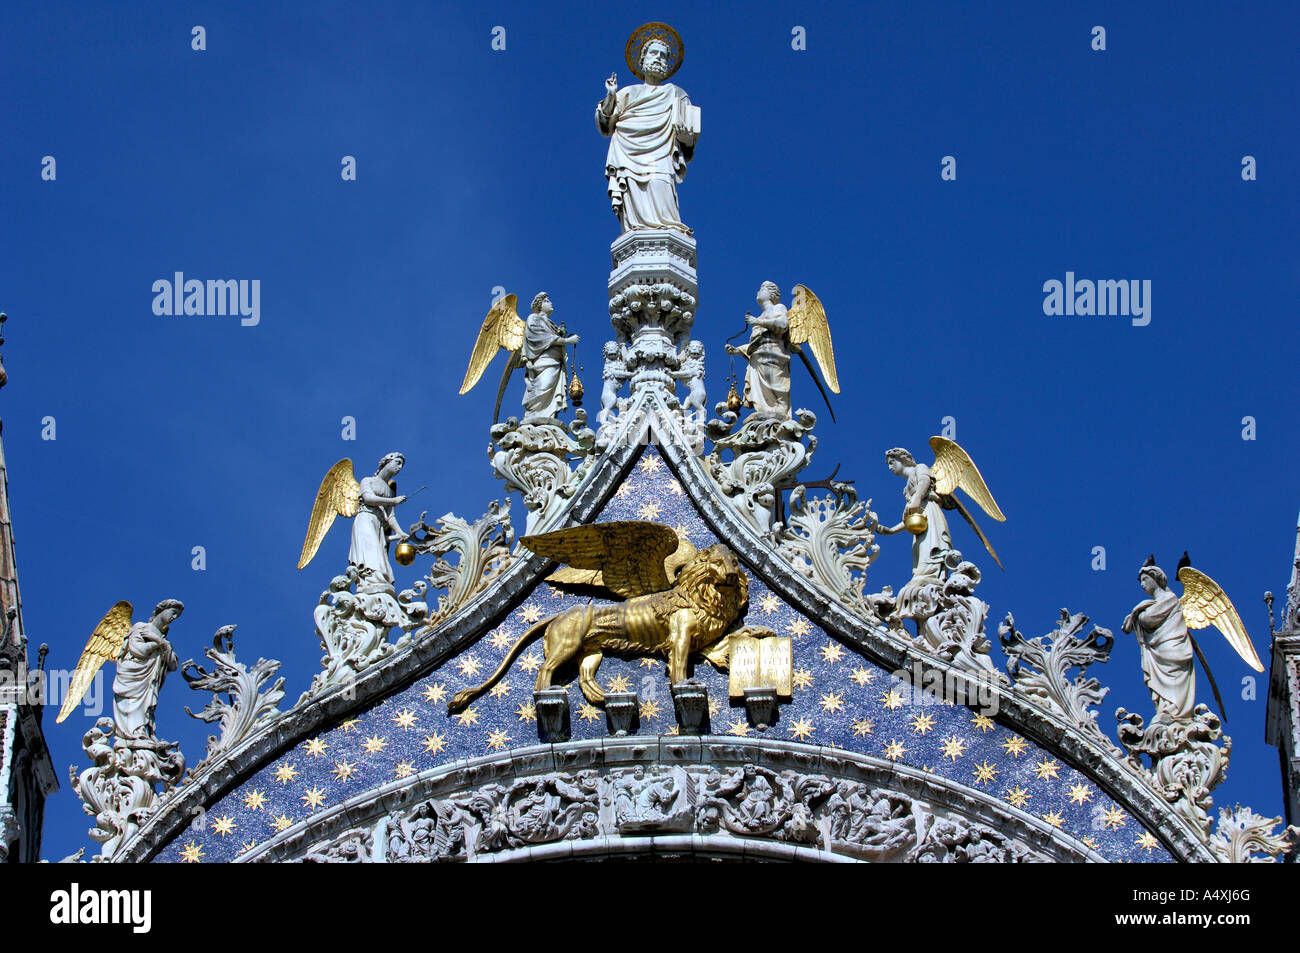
{"x":247,"y":703}
{"x":533,"y":457}
{"x":1244,"y":837}
{"x":1040,"y":668}
{"x":846,"y":817}
{"x":118,"y":790}
{"x":482,"y":551}
{"x":830,"y":540}
{"x":1186,"y":763}
{"x":766,"y":454}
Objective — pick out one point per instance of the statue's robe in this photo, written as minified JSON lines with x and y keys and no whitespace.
{"x":369,"y":546}
{"x":927,"y":548}
{"x":767,"y":376}
{"x":140,"y":674}
{"x":546,"y":389}
{"x":647,"y":156}
{"x":1167,"y":656}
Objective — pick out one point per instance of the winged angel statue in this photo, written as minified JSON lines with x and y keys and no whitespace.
{"x":669,"y":599}
{"x":1161,"y":624}
{"x":537,"y":345}
{"x":929,"y":491}
{"x":370,"y":505}
{"x":778,"y":333}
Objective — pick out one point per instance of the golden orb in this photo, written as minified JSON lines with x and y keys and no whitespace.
{"x":576,"y":391}
{"x":405,"y":554}
{"x":916,"y":523}
{"x":733,"y":400}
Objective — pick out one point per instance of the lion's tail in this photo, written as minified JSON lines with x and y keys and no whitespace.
{"x":461,"y":700}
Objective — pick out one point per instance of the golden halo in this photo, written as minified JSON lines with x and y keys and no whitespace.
{"x":654,"y":31}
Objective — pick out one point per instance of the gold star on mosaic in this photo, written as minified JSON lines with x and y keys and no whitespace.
{"x":985,"y":772}
{"x":738,"y":728}
{"x":862,"y":676}
{"x":344,"y":770}
{"x":1017,"y":796}
{"x":1114,"y":818}
{"x":374,"y":744}
{"x":469,"y":666}
{"x":769,"y":603}
{"x":620,"y":683}
{"x":982,"y":722}
{"x":922,"y":724}
{"x":649,"y":511}
{"x":530,"y":613}
{"x":715,"y":706}
{"x":404,"y":769}
{"x":1080,"y":793}
{"x":500,"y":638}
{"x":623,"y":490}
{"x":647,"y":662}
{"x":313,"y":797}
{"x":1090,"y":841}
{"x":832,"y":652}
{"x":1054,"y":818}
{"x":527,"y":711}
{"x":674,"y":488}
{"x":315,"y":747}
{"x":863,"y":727}
{"x":649,"y":464}
{"x":434,"y":743}
{"x":801,"y":728}
{"x":1047,"y":769}
{"x":404,"y":718}
{"x":954,"y":747}
{"x":254,"y":800}
{"x":349,"y":725}
{"x":832,"y":701}
{"x":802,"y":678}
{"x":435,"y":693}
{"x":497,"y":740}
{"x":285,"y":773}
{"x":799,"y":627}
{"x":650,"y":709}
{"x":892,"y":699}
{"x":282,"y":823}
{"x":531,"y":662}
{"x":192,"y":853}
{"x":588,"y":712}
{"x":248,"y":846}
{"x":895,"y":750}
{"x":1147,"y":842}
{"x":500,"y":690}
{"x":1015,"y":746}
{"x":223,"y":825}
{"x":467,"y":717}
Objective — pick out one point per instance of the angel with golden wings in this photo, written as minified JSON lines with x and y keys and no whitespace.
{"x":537,"y":345}
{"x":776,"y":335}
{"x":370,"y":504}
{"x":143,"y":656}
{"x":1161,"y":625}
{"x":929,"y":491}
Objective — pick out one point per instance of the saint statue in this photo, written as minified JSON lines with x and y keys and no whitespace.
{"x":546,"y":387}
{"x":652,"y":129}
{"x":767,"y":377}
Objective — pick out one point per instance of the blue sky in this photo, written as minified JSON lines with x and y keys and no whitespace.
{"x":478,"y":168}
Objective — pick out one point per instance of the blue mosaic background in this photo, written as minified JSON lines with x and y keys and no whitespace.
{"x":840,"y":700}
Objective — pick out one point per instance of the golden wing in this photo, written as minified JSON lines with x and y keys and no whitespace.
{"x":1205,"y":604}
{"x":629,"y":555}
{"x":807,"y":320}
{"x":339,"y":495}
{"x":954,"y":468}
{"x":105,"y":645}
{"x":502,"y":328}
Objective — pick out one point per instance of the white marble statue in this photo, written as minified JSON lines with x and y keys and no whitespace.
{"x":143,"y":666}
{"x":652,"y":129}
{"x":928,"y":547}
{"x":370,"y":503}
{"x":546,"y":389}
{"x":1166,"y":647}
{"x":613,"y":375}
{"x":690,"y":371}
{"x":767,"y":377}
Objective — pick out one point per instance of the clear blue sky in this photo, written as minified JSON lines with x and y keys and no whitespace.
{"x":479,"y":168}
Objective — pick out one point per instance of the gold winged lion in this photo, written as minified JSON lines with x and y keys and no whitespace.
{"x":677,"y":600}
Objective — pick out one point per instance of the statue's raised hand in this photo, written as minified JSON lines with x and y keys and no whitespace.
{"x":611,"y":84}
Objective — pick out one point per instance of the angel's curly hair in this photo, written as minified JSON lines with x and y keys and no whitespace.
{"x":903,"y":456}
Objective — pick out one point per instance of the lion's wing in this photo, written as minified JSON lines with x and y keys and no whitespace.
{"x":629,"y":554}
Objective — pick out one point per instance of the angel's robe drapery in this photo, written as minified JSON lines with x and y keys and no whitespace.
{"x":647,"y":157}
{"x":1167,"y":656}
{"x":543,"y":354}
{"x":767,"y":376}
{"x":369,"y":546}
{"x":928,"y":547}
{"x":140,"y":674}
